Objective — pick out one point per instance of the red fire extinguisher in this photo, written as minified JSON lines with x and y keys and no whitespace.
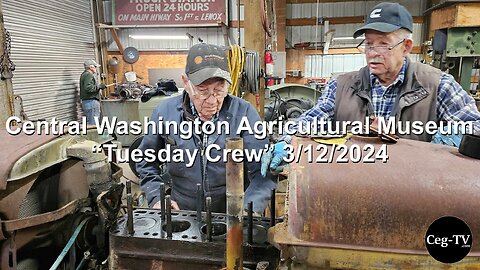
{"x":268,"y":68}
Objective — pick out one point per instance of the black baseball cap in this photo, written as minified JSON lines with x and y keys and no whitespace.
{"x":387,"y":17}
{"x":205,"y":61}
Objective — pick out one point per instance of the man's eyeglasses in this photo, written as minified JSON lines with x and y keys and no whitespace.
{"x":203,"y":94}
{"x":381,"y":49}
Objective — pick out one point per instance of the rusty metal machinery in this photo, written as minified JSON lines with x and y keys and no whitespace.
{"x":148,"y":244}
{"x":54,"y":189}
{"x":166,"y":239}
{"x":375,"y":215}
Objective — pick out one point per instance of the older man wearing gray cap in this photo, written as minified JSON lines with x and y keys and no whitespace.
{"x":89,"y":91}
{"x":389,"y":86}
{"x":206,"y":99}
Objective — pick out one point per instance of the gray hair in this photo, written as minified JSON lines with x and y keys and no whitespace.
{"x":404,"y":33}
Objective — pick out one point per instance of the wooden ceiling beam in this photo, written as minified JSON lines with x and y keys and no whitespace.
{"x":315,"y":1}
{"x":319,"y":51}
{"x":338,"y":20}
{"x":117,"y":40}
{"x":332,"y":20}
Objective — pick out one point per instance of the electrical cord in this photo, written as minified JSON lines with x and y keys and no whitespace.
{"x":265,"y":18}
{"x":236,"y":63}
{"x":274,"y":115}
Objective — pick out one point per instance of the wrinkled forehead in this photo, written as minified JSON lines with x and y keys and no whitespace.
{"x":372,"y":36}
{"x":213,"y":82}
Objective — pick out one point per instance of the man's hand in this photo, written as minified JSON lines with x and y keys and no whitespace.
{"x":273,"y":159}
{"x":448,"y":139}
{"x":102,"y":86}
{"x":173,"y":204}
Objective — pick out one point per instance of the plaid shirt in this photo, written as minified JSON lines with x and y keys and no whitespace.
{"x":453,"y":103}
{"x":383,"y":97}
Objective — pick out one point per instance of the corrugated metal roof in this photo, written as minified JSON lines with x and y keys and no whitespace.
{"x":233,"y":10}
{"x":311,"y":33}
{"x":324,"y":65}
{"x":344,"y":9}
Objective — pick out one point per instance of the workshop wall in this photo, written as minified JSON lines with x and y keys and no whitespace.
{"x":349,"y":12}
{"x":344,"y":18}
{"x":301,"y":26}
{"x":213,"y":35}
{"x":146,"y":61}
{"x":159,"y":54}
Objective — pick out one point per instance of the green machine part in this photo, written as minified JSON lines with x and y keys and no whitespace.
{"x":463,"y":43}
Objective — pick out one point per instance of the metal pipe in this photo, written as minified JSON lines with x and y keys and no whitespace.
{"x":199,"y":202}
{"x":208,"y":206}
{"x":129,"y":208}
{"x":162,"y":201}
{"x":125,"y":93}
{"x":234,"y":252}
{"x":69,"y":244}
{"x":169,"y":216}
{"x":99,"y":175}
{"x":129,"y":187}
{"x":250,"y":223}
{"x":272,"y":209}
{"x":81,"y":264}
{"x":238,"y":22}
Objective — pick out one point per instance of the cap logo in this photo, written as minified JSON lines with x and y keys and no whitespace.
{"x":375,"y":13}
{"x":198,"y":60}
{"x":215,"y":58}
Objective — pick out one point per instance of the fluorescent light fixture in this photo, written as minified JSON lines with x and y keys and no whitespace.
{"x":163,"y":37}
{"x":347,"y":38}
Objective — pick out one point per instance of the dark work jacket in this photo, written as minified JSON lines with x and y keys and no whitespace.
{"x":88,"y":86}
{"x":416,"y":101}
{"x":185,"y":180}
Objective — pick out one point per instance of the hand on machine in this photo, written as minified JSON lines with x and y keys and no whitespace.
{"x":273,"y":159}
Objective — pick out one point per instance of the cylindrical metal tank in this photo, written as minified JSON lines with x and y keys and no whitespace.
{"x":375,"y":215}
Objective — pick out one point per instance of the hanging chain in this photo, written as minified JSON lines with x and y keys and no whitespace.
{"x":6,"y":64}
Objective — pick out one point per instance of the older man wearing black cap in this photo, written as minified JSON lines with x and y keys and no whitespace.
{"x":205,"y":99}
{"x":390,"y":85}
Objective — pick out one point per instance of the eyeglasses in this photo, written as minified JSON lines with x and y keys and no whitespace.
{"x":381,"y":49}
{"x":205,"y":93}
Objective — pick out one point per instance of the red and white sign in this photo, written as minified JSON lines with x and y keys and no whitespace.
{"x":169,"y":12}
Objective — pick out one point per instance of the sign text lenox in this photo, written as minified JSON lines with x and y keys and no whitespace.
{"x":170,"y":12}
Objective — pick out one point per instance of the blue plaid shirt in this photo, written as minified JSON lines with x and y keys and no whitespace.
{"x":383,"y":97}
{"x":453,"y":103}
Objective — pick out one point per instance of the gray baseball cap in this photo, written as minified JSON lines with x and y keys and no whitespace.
{"x":90,"y":62}
{"x":205,"y":61}
{"x":387,"y":17}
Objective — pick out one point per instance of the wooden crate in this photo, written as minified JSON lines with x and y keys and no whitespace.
{"x":458,"y":15}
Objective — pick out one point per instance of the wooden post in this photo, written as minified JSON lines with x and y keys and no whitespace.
{"x":101,"y":45}
{"x":255,"y":40}
{"x":281,"y":27}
